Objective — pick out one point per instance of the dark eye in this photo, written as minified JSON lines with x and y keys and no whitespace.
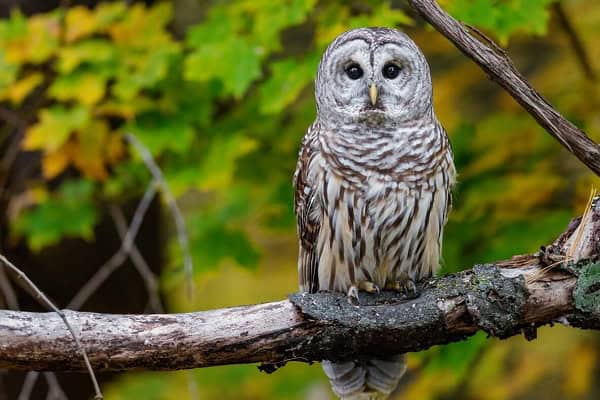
{"x":391,"y":71}
{"x":354,"y":71}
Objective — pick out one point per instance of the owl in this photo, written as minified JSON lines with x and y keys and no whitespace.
{"x":372,"y":185}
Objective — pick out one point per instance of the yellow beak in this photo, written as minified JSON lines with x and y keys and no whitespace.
{"x":373,"y":94}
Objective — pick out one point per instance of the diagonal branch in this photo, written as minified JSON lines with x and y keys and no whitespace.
{"x":500,"y":68}
{"x":120,"y":256}
{"x":140,"y":264}
{"x":501,"y":299}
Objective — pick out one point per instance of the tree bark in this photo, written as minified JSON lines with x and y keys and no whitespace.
{"x":501,"y":299}
{"x":498,"y":66}
{"x":560,"y":283}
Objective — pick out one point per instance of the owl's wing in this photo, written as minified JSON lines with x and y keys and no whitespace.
{"x":307,"y":208}
{"x":450,"y":172}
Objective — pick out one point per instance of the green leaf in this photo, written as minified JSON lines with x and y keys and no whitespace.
{"x":127,"y":181}
{"x":95,"y":52}
{"x":14,"y":27}
{"x":85,"y":87}
{"x":218,"y":163}
{"x":235,"y":62}
{"x":68,"y":212}
{"x":8,"y":72}
{"x":276,"y":16}
{"x":288,"y":78}
{"x":161,"y":132}
{"x":143,"y":70}
{"x":220,"y":243}
{"x":506,"y":17}
{"x":382,"y":15}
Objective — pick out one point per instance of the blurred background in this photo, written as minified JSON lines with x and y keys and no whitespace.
{"x":220,"y":93}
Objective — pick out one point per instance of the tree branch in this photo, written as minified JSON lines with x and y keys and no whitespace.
{"x":501,"y":299}
{"x":498,"y":66}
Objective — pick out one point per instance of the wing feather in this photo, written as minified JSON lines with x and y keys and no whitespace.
{"x":307,"y":208}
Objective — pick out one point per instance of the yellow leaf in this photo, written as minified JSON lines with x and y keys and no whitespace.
{"x":124,"y":109}
{"x":86,"y":88}
{"x":89,"y":154}
{"x":141,"y":26}
{"x":55,"y":162}
{"x":80,"y":22}
{"x":40,"y":42}
{"x":19,"y":90}
{"x":93,"y":51}
{"x":54,"y":127}
{"x":114,"y":149}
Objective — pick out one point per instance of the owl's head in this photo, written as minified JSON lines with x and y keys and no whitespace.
{"x":373,"y":74}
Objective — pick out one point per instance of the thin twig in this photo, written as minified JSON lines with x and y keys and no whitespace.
{"x":32,"y":376}
{"x":192,"y":385}
{"x":127,"y":248}
{"x":138,"y":260}
{"x":55,"y":392}
{"x":28,"y":385}
{"x":41,"y":296}
{"x":172,"y":204}
{"x":10,"y":297}
{"x":120,"y":256}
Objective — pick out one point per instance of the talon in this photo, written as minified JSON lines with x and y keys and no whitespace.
{"x":406,"y":286}
{"x":368,"y":287}
{"x":411,"y":289}
{"x":353,"y":295}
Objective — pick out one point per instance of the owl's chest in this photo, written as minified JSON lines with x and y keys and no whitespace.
{"x":363,"y":207}
{"x":363,"y":229}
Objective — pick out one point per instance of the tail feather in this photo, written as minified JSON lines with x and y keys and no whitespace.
{"x":384,"y":375}
{"x":371,"y":379}
{"x":346,"y":378}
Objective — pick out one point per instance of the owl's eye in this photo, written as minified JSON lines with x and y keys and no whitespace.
{"x":391,"y":71}
{"x":354,"y":71}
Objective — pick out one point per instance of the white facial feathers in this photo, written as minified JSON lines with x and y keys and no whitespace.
{"x":387,"y":59}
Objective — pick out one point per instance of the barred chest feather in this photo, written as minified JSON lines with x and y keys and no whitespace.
{"x":381,"y":218}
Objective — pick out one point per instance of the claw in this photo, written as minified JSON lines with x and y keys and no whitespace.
{"x":353,"y":295}
{"x":405,"y":286}
{"x":365,"y":286}
{"x":410,"y":289}
{"x":368,"y":287}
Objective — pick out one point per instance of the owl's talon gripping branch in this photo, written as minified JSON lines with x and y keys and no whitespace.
{"x":365,"y":286}
{"x":353,"y":295}
{"x":407,"y":287}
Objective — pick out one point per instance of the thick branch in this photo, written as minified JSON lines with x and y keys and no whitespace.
{"x":501,"y":299}
{"x":500,"y":68}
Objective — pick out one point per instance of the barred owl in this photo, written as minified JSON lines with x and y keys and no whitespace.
{"x":372,"y":184}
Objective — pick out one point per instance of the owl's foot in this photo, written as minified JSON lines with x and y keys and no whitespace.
{"x":405,"y":286}
{"x":365,"y":286}
{"x":368,"y":287}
